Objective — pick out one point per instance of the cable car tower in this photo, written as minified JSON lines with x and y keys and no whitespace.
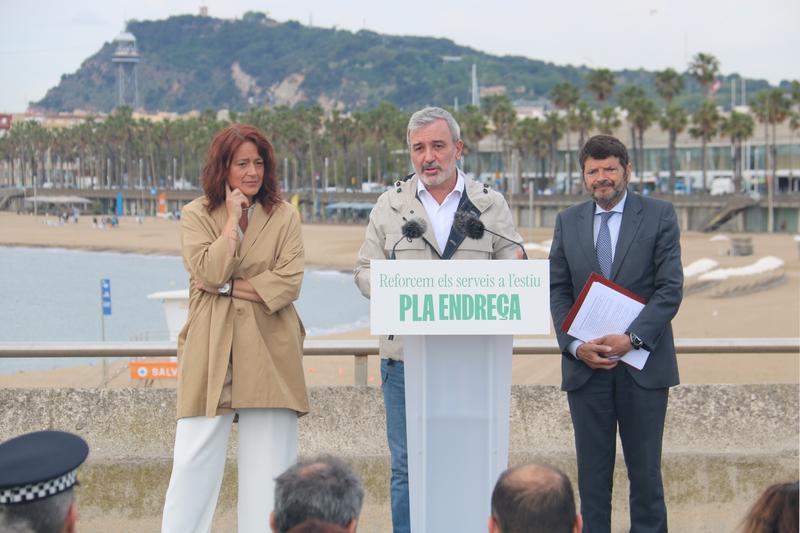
{"x":127,"y":58}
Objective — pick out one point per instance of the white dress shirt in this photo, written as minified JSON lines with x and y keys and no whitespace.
{"x":441,"y":215}
{"x":614,"y":223}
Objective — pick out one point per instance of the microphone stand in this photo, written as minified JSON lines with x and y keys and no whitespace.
{"x":524,"y":255}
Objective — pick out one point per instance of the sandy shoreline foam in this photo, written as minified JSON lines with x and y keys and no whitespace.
{"x":771,"y":312}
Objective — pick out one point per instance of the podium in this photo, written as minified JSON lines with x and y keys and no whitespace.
{"x":457,"y":319}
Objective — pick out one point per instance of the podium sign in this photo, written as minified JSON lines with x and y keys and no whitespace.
{"x":435,"y":297}
{"x":457,"y":319}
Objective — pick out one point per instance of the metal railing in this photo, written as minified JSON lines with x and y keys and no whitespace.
{"x":360,"y":349}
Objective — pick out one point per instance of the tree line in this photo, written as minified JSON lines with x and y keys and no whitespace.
{"x":343,"y":150}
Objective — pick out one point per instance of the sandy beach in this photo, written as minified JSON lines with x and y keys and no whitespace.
{"x":764,"y":312}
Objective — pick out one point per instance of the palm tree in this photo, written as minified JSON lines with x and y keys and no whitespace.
{"x":359,"y":135}
{"x":644,"y":113}
{"x":794,"y":92}
{"x":290,"y":133}
{"x":339,"y":128}
{"x":503,"y":117}
{"x":794,"y":117}
{"x":673,"y":120}
{"x":564,"y":97}
{"x":555,"y":126}
{"x":525,"y":136}
{"x":706,"y":121}
{"x":669,"y":84}
{"x":794,"y":126}
{"x":738,"y":127}
{"x":584,"y":117}
{"x":533,"y":140}
{"x":628,"y":100}
{"x":600,"y":82}
{"x":779,"y":109}
{"x":474,"y":127}
{"x":580,"y":119}
{"x":608,"y":120}
{"x":771,"y":107}
{"x":384,"y":121}
{"x":704,"y":68}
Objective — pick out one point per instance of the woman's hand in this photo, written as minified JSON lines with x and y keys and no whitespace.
{"x":236,"y":203}
{"x":199,"y":286}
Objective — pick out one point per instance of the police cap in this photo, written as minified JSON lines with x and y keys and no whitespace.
{"x":38,"y":465}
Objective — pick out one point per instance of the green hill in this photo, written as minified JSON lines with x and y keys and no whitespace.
{"x":193,"y":62}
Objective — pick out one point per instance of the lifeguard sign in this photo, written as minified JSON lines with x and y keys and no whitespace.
{"x":153,"y":370}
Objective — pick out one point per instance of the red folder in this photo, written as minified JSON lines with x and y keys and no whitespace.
{"x":595,"y":277}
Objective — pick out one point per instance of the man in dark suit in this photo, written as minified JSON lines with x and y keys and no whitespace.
{"x":635,"y":242}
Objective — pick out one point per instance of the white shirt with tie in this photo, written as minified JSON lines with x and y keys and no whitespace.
{"x":441,"y":215}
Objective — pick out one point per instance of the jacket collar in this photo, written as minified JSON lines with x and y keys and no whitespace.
{"x":403,"y":199}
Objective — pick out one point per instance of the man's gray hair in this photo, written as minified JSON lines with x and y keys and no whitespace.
{"x":429,"y":115}
{"x":40,"y":516}
{"x":324,"y":488}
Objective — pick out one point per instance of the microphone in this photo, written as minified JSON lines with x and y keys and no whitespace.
{"x":412,"y":229}
{"x":474,"y":228}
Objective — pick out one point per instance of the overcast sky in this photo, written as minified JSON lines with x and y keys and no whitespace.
{"x":42,"y":39}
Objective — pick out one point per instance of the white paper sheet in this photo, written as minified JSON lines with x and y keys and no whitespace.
{"x":605,"y":311}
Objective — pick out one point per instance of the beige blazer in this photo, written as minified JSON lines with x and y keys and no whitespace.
{"x":264,"y":342}
{"x":399,"y":204}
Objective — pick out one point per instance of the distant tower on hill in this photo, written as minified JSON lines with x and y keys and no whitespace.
{"x":127,"y":58}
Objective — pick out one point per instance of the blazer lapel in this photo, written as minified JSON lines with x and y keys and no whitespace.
{"x":631,"y":221}
{"x":586,"y":235}
{"x":254,"y":228}
{"x":455,"y":238}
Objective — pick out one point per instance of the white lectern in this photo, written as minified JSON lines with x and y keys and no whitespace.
{"x":457,"y":319}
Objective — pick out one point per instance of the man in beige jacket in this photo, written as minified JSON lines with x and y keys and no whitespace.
{"x":431,"y":196}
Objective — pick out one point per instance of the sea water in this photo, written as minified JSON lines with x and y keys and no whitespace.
{"x":53,"y":295}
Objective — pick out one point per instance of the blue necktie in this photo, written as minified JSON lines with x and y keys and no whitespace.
{"x":603,"y":246}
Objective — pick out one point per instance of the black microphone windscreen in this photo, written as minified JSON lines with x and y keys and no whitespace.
{"x":469,"y":225}
{"x":414,"y":228}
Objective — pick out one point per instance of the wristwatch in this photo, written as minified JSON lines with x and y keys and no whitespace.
{"x":226,"y":289}
{"x":636,"y":342}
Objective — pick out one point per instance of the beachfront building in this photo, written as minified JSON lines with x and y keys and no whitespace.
{"x":495,"y":167}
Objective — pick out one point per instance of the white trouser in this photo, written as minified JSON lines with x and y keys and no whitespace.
{"x":267,"y":447}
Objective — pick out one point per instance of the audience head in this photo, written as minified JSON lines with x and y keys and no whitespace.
{"x":776,"y":511}
{"x":317,"y":526}
{"x":37,"y":474}
{"x":533,"y":499}
{"x":324,"y":489}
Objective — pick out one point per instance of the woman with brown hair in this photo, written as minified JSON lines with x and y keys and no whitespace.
{"x":776,"y":511}
{"x":240,"y":352}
